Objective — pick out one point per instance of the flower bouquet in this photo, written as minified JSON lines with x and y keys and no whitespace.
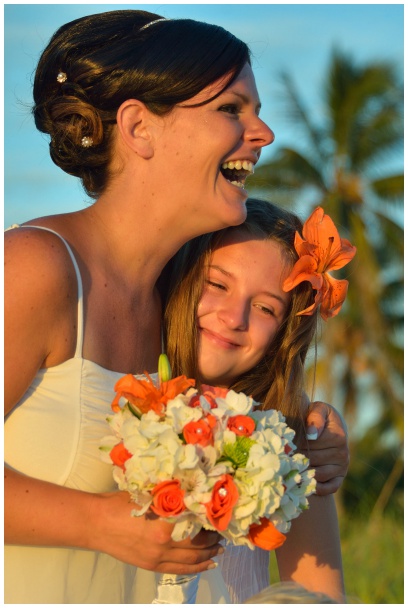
{"x":206,"y":459}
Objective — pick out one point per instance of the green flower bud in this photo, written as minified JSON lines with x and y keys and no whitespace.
{"x":164,"y":369}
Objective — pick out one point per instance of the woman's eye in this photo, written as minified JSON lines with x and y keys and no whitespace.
{"x":230,"y":108}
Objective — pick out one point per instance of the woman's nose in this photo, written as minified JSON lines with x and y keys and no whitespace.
{"x":260,"y":133}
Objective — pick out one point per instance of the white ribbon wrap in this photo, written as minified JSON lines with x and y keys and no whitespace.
{"x":177,"y":589}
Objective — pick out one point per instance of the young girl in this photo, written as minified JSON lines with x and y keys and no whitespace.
{"x":252,"y":323}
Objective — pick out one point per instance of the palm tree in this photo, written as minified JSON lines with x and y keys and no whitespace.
{"x":341,"y":167}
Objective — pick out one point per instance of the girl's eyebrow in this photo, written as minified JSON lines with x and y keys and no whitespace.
{"x":273,"y":295}
{"x":264,"y":293}
{"x":214,"y":266}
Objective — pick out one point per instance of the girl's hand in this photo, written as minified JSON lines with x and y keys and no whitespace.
{"x":327,"y":446}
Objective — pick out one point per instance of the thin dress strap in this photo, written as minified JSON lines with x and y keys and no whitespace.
{"x":80,"y":332}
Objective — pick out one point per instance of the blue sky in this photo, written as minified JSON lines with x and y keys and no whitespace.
{"x":294,"y":37}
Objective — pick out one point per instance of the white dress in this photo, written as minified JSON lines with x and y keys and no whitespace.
{"x":53,"y":434}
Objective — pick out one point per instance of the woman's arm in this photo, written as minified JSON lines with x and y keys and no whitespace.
{"x":311,"y":554}
{"x":40,"y":330}
{"x":44,"y":514}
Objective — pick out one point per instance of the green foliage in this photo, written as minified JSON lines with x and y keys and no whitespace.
{"x":373,"y":560}
{"x":339,"y":164}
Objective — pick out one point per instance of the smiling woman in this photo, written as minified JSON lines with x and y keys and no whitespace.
{"x":144,"y":111}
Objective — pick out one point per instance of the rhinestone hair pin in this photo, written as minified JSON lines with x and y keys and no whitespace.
{"x":87,"y":142}
{"x":61,"y":77}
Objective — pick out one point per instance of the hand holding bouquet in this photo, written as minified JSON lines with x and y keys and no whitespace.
{"x":206,"y":459}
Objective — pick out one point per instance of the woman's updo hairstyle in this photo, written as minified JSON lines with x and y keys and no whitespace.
{"x":107,"y":58}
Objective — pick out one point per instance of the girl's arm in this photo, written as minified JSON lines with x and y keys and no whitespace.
{"x":311,"y":554}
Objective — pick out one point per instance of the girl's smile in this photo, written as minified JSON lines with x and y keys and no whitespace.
{"x":242,"y":307}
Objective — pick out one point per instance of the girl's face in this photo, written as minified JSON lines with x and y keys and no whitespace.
{"x":197,"y":144}
{"x":242,"y":307}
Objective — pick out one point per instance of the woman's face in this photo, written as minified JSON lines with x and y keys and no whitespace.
{"x":198,"y":144}
{"x":242,"y":307}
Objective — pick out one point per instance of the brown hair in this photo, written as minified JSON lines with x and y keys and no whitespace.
{"x":277,"y":381}
{"x":111,"y":57}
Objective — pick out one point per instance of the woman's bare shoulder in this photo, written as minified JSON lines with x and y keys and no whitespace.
{"x":40,"y":307}
{"x":38,"y":258}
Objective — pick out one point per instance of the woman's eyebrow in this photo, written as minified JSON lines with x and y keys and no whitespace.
{"x":246,"y":100}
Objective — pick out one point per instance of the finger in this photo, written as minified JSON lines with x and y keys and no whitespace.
{"x":329,"y":487}
{"x":205,"y":539}
{"x":316,"y":419}
{"x":327,"y":472}
{"x":328,"y":440}
{"x":186,"y":561}
{"x":329,"y":456}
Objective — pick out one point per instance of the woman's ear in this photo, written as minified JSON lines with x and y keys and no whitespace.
{"x":134,"y":120}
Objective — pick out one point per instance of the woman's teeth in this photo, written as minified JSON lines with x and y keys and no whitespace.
{"x":236,"y":171}
{"x":239,"y":164}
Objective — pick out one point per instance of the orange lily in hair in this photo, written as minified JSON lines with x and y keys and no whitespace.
{"x":321,"y":249}
{"x":144,"y":395}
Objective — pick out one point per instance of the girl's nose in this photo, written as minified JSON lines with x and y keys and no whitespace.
{"x":234,"y":314}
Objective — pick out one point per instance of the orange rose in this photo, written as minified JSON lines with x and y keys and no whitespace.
{"x":212,"y":392}
{"x":224,"y":497}
{"x":194,"y":401}
{"x":241,"y":425}
{"x":168,"y":499}
{"x":119,"y":455}
{"x":265,"y":535}
{"x":199,"y":431}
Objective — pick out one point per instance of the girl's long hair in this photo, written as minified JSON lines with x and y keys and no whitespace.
{"x":277,"y":381}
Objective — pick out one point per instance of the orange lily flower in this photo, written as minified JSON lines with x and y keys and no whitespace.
{"x":144,"y":395}
{"x":319,"y":251}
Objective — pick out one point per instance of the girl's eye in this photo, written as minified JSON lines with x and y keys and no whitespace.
{"x":215,"y":285}
{"x":230,"y":108}
{"x":267,"y":311}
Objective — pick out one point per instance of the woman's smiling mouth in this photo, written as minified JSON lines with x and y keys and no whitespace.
{"x":236,"y":171}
